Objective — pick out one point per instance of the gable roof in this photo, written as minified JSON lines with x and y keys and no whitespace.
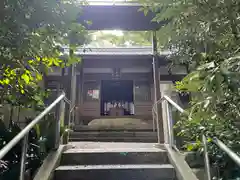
{"x":121,"y":16}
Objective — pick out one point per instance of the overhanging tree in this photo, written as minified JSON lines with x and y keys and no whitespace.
{"x":204,"y":36}
{"x":128,"y":38}
{"x":31,"y":32}
{"x":31,"y":35}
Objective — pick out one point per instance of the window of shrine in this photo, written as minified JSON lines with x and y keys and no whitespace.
{"x":91,"y":91}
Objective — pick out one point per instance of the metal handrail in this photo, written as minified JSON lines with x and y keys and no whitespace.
{"x":227,"y":150}
{"x":169,"y":124}
{"x":73,"y":107}
{"x":67,"y":100}
{"x":24,"y":133}
{"x":215,"y":140}
{"x":160,"y":101}
{"x":71,"y":115}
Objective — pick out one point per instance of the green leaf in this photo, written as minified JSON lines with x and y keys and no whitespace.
{"x":89,"y":22}
{"x":190,"y":147}
{"x":39,"y":77}
{"x":206,"y":103}
{"x":209,"y":139}
{"x":145,"y":12}
{"x":26,"y":78}
{"x":206,"y":66}
{"x":6,"y":81}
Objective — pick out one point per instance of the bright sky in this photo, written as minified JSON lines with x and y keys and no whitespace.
{"x":104,"y":2}
{"x":118,"y":33}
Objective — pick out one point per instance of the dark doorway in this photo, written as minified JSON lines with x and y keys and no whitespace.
{"x":117,"y":93}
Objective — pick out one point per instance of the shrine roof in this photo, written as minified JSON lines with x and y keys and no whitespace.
{"x":118,"y":15}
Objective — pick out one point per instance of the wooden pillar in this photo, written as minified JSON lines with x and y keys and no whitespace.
{"x":67,"y":89}
{"x":73,"y":91}
{"x":157,"y":92}
{"x":80,"y":93}
{"x":70,"y":84}
{"x":77,"y":115}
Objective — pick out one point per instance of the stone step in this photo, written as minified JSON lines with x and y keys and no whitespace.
{"x":114,"y":156}
{"x":113,"y":134}
{"x":114,"y":139}
{"x":116,"y":172}
{"x":82,"y":128}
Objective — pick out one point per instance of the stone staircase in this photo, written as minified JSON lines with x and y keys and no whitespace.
{"x":113,"y":135}
{"x":115,"y":161}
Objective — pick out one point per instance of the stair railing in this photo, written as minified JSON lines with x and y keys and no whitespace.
{"x":23,"y":135}
{"x":167,"y":121}
{"x":72,"y":115}
{"x":170,"y":139}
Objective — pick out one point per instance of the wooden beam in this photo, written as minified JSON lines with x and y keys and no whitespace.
{"x":125,"y":76}
{"x":111,"y":17}
{"x":122,"y":62}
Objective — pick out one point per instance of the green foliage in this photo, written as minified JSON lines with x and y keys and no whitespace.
{"x":32,"y":32}
{"x":204,"y":36}
{"x":40,"y":143}
{"x":11,"y":161}
{"x":193,"y":27}
{"x":215,"y":101}
{"x":46,"y":130}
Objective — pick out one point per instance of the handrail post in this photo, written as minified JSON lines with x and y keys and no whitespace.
{"x":153,"y":117}
{"x":60,"y":115}
{"x":70,"y":120}
{"x":206,"y":159}
{"x":23,"y":157}
{"x":169,"y":124}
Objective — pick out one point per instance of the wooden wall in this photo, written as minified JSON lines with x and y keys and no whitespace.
{"x":93,"y":108}
{"x":143,"y":108}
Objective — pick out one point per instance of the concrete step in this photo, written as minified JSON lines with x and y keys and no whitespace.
{"x":114,"y":156}
{"x":116,"y":172}
{"x":114,"y":136}
{"x":115,"y":139}
{"x":82,"y":128}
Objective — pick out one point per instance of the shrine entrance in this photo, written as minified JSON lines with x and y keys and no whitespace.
{"x":117,"y":98}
